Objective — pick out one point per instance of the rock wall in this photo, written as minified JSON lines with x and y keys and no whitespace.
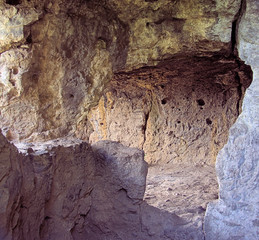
{"x":56,"y":64}
{"x":56,"y":59}
{"x":174,"y":114}
{"x":57,"y":56}
{"x":236,"y":214}
{"x":42,"y":199}
{"x":81,"y":192}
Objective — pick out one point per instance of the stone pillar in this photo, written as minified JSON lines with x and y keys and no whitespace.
{"x":236,"y":214}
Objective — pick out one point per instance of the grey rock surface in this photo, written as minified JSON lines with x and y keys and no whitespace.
{"x":81,"y":192}
{"x":47,"y":88}
{"x":126,"y":165}
{"x":236,"y":214}
{"x":70,"y":191}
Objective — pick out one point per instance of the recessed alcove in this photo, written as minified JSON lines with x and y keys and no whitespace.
{"x":160,"y":76}
{"x":179,"y":113}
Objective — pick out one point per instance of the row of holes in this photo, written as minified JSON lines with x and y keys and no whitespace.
{"x":199,"y":101}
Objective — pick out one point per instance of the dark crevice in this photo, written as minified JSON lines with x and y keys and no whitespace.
{"x":29,"y":39}
{"x":208,"y":121}
{"x":13,"y":2}
{"x":200,"y":102}
{"x":235,"y":26}
{"x":145,"y":127}
{"x":240,"y":93}
{"x":233,"y":36}
{"x":164,"y":101}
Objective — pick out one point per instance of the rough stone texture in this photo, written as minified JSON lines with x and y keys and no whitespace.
{"x":133,"y":177}
{"x":159,"y":29}
{"x":71,"y":191}
{"x":171,"y":112}
{"x":184,"y":190}
{"x":236,"y":214}
{"x":59,"y":71}
{"x":38,"y":190}
{"x":57,"y":56}
{"x":10,"y":185}
{"x":80,"y":192}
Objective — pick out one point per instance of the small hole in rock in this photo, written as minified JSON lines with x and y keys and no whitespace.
{"x":201,"y":102}
{"x":12,"y":82}
{"x":178,"y":121}
{"x":15,"y":70}
{"x":147,"y":24}
{"x":29,"y":39}
{"x":13,"y":2}
{"x":208,"y":121}
{"x":71,"y":95}
{"x":163,"y":101}
{"x":162,"y":86}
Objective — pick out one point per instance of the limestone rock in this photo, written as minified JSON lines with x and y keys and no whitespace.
{"x":247,"y":38}
{"x":56,"y":60}
{"x":159,"y":29}
{"x":10,"y":186}
{"x":13,"y":21}
{"x":235,"y":214}
{"x":77,"y":192}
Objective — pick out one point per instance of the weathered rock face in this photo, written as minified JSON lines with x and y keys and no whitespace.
{"x":57,"y":56}
{"x":81,"y":192}
{"x":59,"y":69}
{"x":170,"y":111}
{"x":56,"y":59}
{"x":236,"y":214}
{"x":42,"y":199}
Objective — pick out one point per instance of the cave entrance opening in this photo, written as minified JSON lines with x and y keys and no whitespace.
{"x":179,"y":113}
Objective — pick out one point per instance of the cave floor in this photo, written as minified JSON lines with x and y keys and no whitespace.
{"x":182,"y":189}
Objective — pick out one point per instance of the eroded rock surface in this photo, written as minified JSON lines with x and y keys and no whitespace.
{"x":178,"y":112}
{"x":57,"y":56}
{"x":83,"y":192}
{"x":72,"y":192}
{"x":236,"y":214}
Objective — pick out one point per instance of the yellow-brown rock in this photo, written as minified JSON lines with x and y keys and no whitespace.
{"x":57,"y":56}
{"x":174,"y":114}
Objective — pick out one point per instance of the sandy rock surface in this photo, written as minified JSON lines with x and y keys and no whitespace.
{"x":177,"y":112}
{"x":56,"y":57}
{"x":182,"y":189}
